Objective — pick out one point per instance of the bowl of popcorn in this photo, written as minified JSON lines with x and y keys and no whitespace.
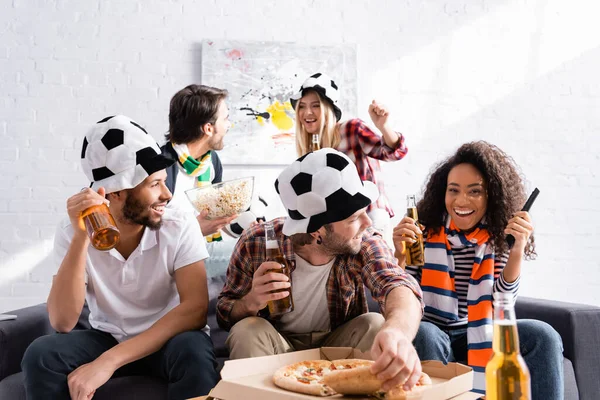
{"x":223,"y":199}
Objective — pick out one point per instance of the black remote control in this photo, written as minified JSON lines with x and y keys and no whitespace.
{"x":510,"y":239}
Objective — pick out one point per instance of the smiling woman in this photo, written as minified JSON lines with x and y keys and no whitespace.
{"x":319,"y":125}
{"x":471,"y":201}
{"x":479,"y":183}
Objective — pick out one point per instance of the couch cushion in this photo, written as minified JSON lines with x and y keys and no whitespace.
{"x":12,"y":387}
{"x":571,"y":390}
{"x":217,"y":334}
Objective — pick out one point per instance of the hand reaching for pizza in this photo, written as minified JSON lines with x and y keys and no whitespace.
{"x":396,"y":360}
{"x":264,"y":281}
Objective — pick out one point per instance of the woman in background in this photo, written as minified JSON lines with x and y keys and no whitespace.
{"x":471,"y":202}
{"x":318,"y":118}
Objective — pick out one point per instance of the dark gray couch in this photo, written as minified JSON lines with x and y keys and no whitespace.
{"x":578,"y":325}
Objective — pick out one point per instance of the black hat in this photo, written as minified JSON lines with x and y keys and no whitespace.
{"x":320,"y":188}
{"x":326,"y":88}
{"x":117,"y":154}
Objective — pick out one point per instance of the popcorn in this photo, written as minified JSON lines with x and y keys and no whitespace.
{"x":223,"y":199}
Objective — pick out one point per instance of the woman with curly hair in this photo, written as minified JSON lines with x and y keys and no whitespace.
{"x":318,"y":122}
{"x":471,"y":202}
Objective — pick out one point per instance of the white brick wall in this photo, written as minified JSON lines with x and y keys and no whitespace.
{"x":521,"y":74}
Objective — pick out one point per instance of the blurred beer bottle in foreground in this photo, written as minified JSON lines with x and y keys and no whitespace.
{"x":101,"y":227}
{"x":506,"y":374}
{"x":415,"y":254}
{"x":285,"y":305}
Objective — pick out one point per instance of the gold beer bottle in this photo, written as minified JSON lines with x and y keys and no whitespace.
{"x":415,"y":254}
{"x":101,"y":227}
{"x":316,"y":143}
{"x":285,"y":305}
{"x":506,"y":374}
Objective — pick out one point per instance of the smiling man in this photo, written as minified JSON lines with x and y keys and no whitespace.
{"x":333,"y":254}
{"x":147,"y":297}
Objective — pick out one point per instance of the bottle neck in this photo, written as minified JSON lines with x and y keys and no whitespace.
{"x":506,"y":337}
{"x":315,"y":143}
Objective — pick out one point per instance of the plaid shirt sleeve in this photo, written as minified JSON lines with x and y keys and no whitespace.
{"x":239,"y":275}
{"x":381,"y":272}
{"x":372,"y":144}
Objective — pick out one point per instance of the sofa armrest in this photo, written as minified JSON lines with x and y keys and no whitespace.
{"x":16,"y":335}
{"x":579,"y":327}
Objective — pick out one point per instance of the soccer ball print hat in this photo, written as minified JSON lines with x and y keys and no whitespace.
{"x":326,"y":88}
{"x":320,"y":188}
{"x":118,"y":154}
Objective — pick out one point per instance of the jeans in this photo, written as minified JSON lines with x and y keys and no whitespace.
{"x":540,"y":345}
{"x":186,"y":362}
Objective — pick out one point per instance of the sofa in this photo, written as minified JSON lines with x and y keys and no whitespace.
{"x":578,"y":325}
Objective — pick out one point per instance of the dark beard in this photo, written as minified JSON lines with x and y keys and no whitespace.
{"x":133,"y":211}
{"x":336,"y":246}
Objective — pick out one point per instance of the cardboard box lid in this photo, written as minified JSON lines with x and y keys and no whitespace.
{"x":251,"y":378}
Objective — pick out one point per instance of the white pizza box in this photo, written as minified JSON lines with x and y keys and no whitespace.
{"x":251,"y":378}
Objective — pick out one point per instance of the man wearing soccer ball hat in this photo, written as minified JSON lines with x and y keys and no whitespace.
{"x":147,"y":296}
{"x":333,"y":254}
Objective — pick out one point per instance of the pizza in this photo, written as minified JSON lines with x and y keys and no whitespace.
{"x":348,"y":377}
{"x":360,"y":381}
{"x":307,"y":376}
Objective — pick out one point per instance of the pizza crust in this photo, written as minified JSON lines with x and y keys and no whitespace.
{"x":354,"y":381}
{"x":397,"y":393}
{"x":287,"y":378}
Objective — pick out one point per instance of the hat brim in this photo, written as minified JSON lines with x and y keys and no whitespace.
{"x":295,"y":98}
{"x":132,"y":177}
{"x":361,"y":199}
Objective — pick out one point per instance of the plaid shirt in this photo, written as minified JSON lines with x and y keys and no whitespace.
{"x":374,"y":266}
{"x":365,"y":148}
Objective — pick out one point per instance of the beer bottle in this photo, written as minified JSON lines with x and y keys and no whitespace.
{"x":101,"y":227}
{"x":316,"y":143}
{"x":506,"y":374}
{"x":285,"y":305}
{"x":415,"y":254}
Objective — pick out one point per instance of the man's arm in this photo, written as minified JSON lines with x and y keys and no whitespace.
{"x":263,"y":284}
{"x":402,"y":311}
{"x":247,"y":290}
{"x":67,"y":294}
{"x":400,"y":298}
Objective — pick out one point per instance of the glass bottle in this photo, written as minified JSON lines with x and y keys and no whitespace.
{"x":506,"y":374}
{"x":315,"y":143}
{"x":285,"y":305}
{"x":415,"y":254}
{"x":101,"y":227}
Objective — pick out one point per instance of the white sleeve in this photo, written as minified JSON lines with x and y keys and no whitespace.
{"x":191,"y":247}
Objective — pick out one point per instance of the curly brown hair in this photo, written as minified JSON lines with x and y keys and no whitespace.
{"x":505,"y":191}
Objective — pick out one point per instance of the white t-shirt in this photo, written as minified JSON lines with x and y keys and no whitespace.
{"x":309,"y":291}
{"x":126,"y":297}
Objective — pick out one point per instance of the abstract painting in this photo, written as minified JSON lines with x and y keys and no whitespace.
{"x":260,"y":78}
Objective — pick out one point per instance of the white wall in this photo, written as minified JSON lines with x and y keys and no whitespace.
{"x":523,"y":75}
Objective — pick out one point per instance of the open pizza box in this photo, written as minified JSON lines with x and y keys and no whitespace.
{"x":251,"y":378}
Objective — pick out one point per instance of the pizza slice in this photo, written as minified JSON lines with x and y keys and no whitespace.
{"x":360,"y":381}
{"x":307,"y":376}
